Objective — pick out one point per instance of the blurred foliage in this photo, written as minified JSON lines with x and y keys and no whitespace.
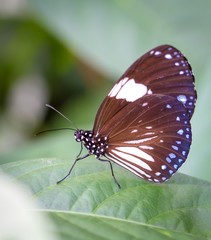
{"x":66,"y":53}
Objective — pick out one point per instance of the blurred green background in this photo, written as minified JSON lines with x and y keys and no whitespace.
{"x":70,"y":53}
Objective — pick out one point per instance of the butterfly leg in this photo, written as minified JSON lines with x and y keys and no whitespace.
{"x":112,"y":171}
{"x":68,"y":174}
{"x":80,"y":150}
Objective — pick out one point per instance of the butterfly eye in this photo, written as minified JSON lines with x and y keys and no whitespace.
{"x":143,"y":124}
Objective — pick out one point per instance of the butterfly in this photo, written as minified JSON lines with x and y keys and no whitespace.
{"x":143,"y":124}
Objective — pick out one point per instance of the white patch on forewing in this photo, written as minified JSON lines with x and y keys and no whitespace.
{"x":128,"y":90}
{"x":116,"y":88}
{"x":137,"y":152}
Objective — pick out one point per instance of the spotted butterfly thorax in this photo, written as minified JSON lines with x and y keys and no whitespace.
{"x":143,"y":124}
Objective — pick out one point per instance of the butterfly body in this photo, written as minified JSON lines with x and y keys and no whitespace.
{"x":95,"y":145}
{"x":143,"y":124}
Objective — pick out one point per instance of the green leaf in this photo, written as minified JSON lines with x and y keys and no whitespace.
{"x":88,"y":226}
{"x":181,"y":205}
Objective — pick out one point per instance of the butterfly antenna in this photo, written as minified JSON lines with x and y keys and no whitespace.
{"x":61,"y":114}
{"x":55,"y":129}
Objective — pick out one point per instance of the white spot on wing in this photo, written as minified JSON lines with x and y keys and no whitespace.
{"x":175,"y":147}
{"x":158,"y":173}
{"x":144,"y":104}
{"x":180,"y":132}
{"x":187,"y":136}
{"x":172,"y":155}
{"x":140,"y":140}
{"x":183,"y":153}
{"x":134,"y":131}
{"x":157,"y":53}
{"x":128,"y":90}
{"x":149,"y":133}
{"x":168,"y":56}
{"x":147,"y":147}
{"x":182,"y":99}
